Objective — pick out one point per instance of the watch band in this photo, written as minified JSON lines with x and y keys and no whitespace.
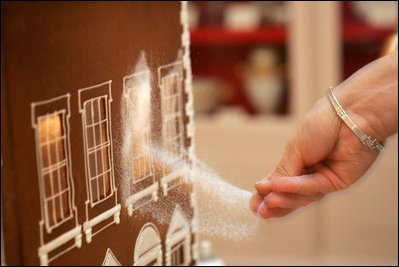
{"x":370,"y":143}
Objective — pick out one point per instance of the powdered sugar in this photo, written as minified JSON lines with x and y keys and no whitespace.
{"x":223,"y":209}
{"x":136,"y":121}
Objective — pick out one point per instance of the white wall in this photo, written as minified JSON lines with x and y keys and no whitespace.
{"x":357,"y":226}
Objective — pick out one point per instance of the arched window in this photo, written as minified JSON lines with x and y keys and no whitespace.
{"x":148,"y":251}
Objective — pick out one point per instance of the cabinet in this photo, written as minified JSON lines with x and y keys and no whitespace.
{"x":321,"y":45}
{"x":317,"y":41}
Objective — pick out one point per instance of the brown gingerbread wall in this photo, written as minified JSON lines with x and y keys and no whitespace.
{"x":54,"y":48}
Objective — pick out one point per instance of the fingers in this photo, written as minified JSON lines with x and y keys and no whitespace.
{"x":279,"y":204}
{"x":264,"y":186}
{"x":267,"y":213}
{"x":312,"y":185}
{"x":282,"y":195}
{"x":306,"y":185}
{"x":255,"y":202}
{"x":287,"y":201}
{"x":291,"y":162}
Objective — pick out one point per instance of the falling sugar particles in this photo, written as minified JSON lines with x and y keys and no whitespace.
{"x":223,"y":209}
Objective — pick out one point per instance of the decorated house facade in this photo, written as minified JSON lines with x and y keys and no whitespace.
{"x":81,"y":180}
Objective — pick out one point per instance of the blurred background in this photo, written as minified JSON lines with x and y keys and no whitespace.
{"x":258,"y":67}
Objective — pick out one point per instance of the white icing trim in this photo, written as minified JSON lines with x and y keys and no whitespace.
{"x":62,"y":239}
{"x":135,"y":82}
{"x":110,"y":259}
{"x":115,"y":211}
{"x":49,"y":228}
{"x":171,"y":68}
{"x":130,"y":82}
{"x":88,"y":225}
{"x":179,"y":231}
{"x":189,"y":108}
{"x":143,"y":256}
{"x":134,"y":198}
{"x":108,"y":100}
{"x":165,"y":180}
{"x":154,"y":253}
{"x":45,"y":248}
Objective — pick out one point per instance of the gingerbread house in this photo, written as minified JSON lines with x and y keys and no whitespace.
{"x":93,"y":96}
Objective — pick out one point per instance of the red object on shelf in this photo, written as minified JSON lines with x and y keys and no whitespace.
{"x":356,"y":32}
{"x":352,"y":32}
{"x":223,"y":36}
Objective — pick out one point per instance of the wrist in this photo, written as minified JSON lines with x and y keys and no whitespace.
{"x":375,"y":117}
{"x":370,"y":98}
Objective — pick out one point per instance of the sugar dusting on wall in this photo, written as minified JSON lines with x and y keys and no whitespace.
{"x":136,"y":116}
{"x":223,"y":209}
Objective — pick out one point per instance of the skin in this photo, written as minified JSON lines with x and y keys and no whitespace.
{"x":324,"y":155}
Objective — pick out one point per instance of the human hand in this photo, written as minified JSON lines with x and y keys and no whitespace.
{"x":324,"y":155}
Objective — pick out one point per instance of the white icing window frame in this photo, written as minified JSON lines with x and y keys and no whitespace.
{"x":153,"y":254}
{"x":76,"y":232}
{"x":95,"y":103}
{"x":50,"y":169}
{"x":178,"y":234}
{"x":132,"y":83}
{"x":166,"y":73}
{"x":114,"y":211}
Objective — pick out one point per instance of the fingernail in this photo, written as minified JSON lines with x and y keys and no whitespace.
{"x":259,"y":208}
{"x":264,"y":181}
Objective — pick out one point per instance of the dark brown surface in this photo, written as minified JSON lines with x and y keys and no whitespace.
{"x":54,"y":48}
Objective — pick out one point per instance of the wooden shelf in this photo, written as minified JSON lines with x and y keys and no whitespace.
{"x":221,"y":36}
{"x":356,"y":32}
{"x":353,"y":32}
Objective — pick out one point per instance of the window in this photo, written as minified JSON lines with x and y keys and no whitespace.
{"x":59,"y":221}
{"x":138,"y":96}
{"x":137,"y":141}
{"x":148,"y":250}
{"x":177,"y":255}
{"x":98,"y":148}
{"x":170,"y":79}
{"x":142,"y":165}
{"x":102,"y":200}
{"x":54,"y":171}
{"x":172,"y":115}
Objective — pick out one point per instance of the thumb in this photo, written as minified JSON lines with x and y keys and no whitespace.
{"x":290,"y":164}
